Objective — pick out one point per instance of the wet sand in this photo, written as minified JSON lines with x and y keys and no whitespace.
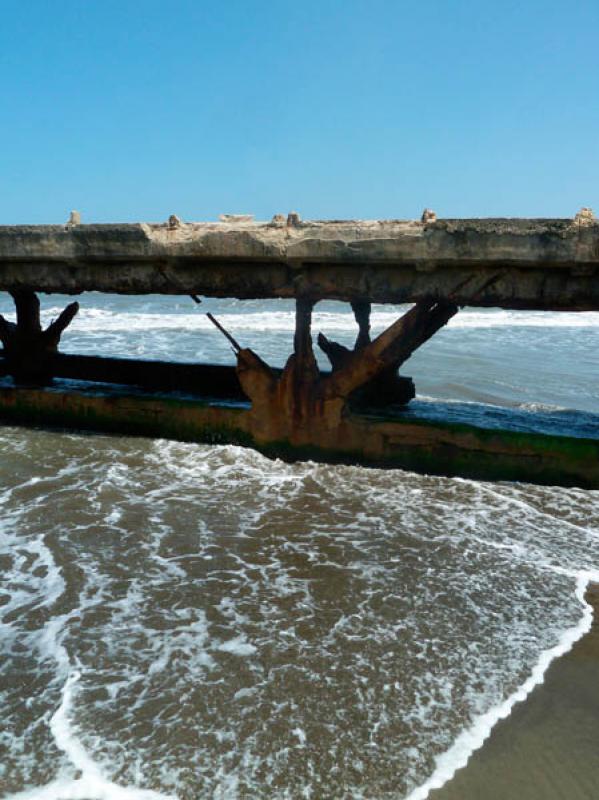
{"x":548,"y":748}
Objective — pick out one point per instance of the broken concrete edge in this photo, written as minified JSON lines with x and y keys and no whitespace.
{"x":509,"y":263}
{"x":293,"y":219}
{"x":448,"y":449}
{"x":484,"y":239}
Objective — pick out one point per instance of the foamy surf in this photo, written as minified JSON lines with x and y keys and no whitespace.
{"x":92,"y":319}
{"x":471,"y":739}
{"x":91,"y":783}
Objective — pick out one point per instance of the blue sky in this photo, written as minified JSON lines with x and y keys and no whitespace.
{"x":137,"y":110}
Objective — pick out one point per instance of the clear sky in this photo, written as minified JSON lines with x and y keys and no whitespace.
{"x":348,"y":108}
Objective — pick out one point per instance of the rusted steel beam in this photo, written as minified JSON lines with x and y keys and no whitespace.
{"x":390,"y":349}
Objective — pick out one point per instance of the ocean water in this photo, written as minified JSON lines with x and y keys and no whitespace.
{"x":191,"y":621}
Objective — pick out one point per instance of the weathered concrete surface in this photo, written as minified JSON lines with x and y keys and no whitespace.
{"x":510,"y":263}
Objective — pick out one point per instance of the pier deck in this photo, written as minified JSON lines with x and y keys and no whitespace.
{"x":550,"y":264}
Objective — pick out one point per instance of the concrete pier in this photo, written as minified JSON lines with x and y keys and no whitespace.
{"x":550,"y":264}
{"x":299,"y":411}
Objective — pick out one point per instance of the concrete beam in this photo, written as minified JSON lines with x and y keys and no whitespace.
{"x":510,"y":263}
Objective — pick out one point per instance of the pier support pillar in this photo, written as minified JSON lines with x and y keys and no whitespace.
{"x":296,"y":390}
{"x":362,"y":310}
{"x":387,"y":387}
{"x":381,"y":358}
{"x":28,"y":349}
{"x":305,"y":407}
{"x":289,"y":406}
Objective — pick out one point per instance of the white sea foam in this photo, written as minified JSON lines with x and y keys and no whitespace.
{"x":526,"y":406}
{"x":237,"y":646}
{"x":495,"y":318}
{"x":92,"y":319}
{"x":301,"y":736}
{"x":471,"y":739}
{"x":87,"y":787}
{"x":91,"y":784}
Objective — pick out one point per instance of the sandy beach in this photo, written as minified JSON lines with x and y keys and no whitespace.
{"x":548,"y":748}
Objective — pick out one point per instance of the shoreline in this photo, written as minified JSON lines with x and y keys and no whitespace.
{"x":544,"y":747}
